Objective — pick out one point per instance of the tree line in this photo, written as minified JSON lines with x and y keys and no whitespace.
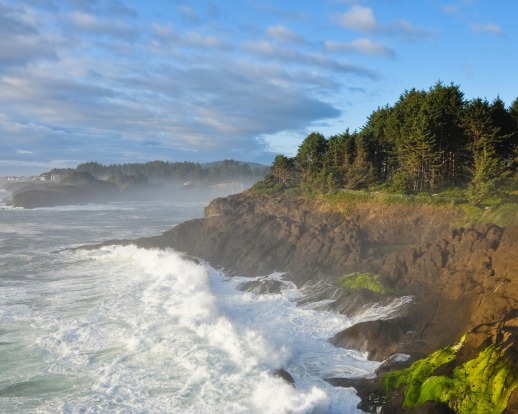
{"x":428,"y":141}
{"x":193,"y":172}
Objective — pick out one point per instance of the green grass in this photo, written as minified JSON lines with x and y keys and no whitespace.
{"x":364,"y":280}
{"x":503,"y":214}
{"x":500,"y":210}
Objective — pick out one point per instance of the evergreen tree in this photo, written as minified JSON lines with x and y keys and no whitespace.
{"x":401,"y":129}
{"x":425,"y":141}
{"x":360,"y":173}
{"x":513,"y":111}
{"x":419,"y":156}
{"x":444,"y":106}
{"x":310,"y":157}
{"x":487,"y":168}
{"x":382,"y":148}
{"x":507,"y":144}
{"x":283,"y":170}
{"x":338,"y":159}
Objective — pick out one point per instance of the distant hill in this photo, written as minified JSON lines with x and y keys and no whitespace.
{"x":153,"y":171}
{"x":93,"y":182}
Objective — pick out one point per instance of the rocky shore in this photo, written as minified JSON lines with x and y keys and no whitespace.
{"x":459,"y":285}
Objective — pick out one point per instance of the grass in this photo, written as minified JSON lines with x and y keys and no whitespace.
{"x":503,"y":214}
{"x":500,"y":209}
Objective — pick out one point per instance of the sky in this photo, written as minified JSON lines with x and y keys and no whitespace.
{"x":119,"y":81}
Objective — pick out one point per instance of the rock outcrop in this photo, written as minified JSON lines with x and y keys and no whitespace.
{"x":459,"y":277}
{"x":77,"y":189}
{"x":479,"y":374}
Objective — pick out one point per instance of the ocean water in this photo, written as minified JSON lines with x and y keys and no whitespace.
{"x":129,"y":330}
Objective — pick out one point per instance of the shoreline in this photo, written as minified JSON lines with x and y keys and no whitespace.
{"x":413,"y":252}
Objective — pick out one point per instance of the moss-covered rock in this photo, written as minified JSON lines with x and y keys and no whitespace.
{"x":482,"y":384}
{"x":413,"y":379}
{"x":364,"y":280}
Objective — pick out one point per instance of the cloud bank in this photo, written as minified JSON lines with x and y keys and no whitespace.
{"x":126,"y":81}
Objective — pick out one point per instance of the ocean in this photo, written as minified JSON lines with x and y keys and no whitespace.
{"x":129,"y":330}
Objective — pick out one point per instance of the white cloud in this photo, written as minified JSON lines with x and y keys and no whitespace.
{"x":297,"y":57}
{"x":407,"y":30}
{"x":282,"y":33}
{"x":22,"y":41}
{"x":85,"y":20}
{"x":83,"y":82}
{"x":171,"y":38}
{"x":164,"y":31}
{"x":491,"y":28}
{"x":119,"y":8}
{"x":24,"y":49}
{"x":90,"y":23}
{"x":358,"y":18}
{"x":364,"y":46}
{"x":194,"y":39}
{"x":361,"y":19}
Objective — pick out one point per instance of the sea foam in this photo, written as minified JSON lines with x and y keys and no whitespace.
{"x":129,"y":330}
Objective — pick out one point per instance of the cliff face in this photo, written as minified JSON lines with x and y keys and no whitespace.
{"x":256,"y":235}
{"x":458,"y":278}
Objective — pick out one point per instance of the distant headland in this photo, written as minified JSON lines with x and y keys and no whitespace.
{"x":93,"y":182}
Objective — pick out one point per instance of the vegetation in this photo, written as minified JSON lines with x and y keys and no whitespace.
{"x":364,"y":280}
{"x":428,"y":142}
{"x":480,"y":385}
{"x":142,"y":173}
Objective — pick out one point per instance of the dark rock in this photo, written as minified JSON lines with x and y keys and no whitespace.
{"x":349,"y":302}
{"x":285,"y":375}
{"x":262,"y":286}
{"x":380,"y":338}
{"x":67,"y":193}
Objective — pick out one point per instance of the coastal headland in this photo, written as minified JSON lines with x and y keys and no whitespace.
{"x":457,"y":285}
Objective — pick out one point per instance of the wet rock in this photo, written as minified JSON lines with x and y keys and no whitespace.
{"x":479,"y":374}
{"x":379,"y":338}
{"x":285,"y":375}
{"x":262,"y":286}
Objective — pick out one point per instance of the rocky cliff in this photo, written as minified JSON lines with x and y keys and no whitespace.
{"x":459,"y":279}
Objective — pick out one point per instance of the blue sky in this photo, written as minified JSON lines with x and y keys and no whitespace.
{"x":120,"y":81}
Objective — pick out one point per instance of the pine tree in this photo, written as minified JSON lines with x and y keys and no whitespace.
{"x":444,"y":106}
{"x":310,"y":157}
{"x":487,"y":169}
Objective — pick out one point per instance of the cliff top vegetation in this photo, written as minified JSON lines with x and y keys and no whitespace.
{"x":431,"y":146}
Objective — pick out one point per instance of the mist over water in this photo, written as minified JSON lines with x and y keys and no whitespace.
{"x":128,"y":330}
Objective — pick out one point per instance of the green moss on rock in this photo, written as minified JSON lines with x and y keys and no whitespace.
{"x":364,"y":280}
{"x":412,"y":379}
{"x":481,"y":385}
